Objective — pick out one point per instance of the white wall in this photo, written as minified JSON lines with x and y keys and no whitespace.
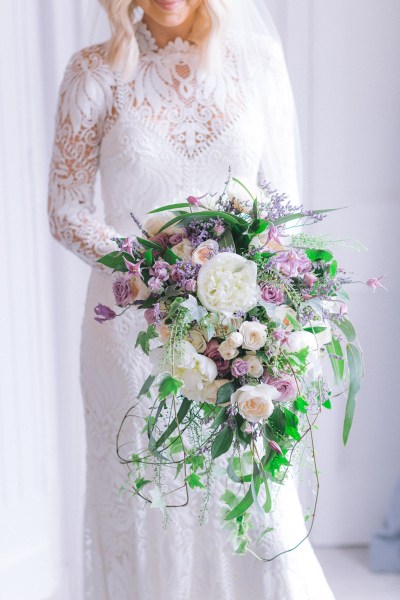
{"x":344,"y":60}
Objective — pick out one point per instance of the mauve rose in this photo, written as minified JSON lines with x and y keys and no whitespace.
{"x":272,"y":294}
{"x":239,"y":368}
{"x":177,"y":237}
{"x":190,"y":285}
{"x":286,"y":387}
{"x":161,"y":238}
{"x":212,"y":352}
{"x":155,"y":285}
{"x":160,"y":270}
{"x":310,"y":279}
{"x":122,"y":291}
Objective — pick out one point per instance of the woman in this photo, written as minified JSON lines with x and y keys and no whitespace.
{"x":175,"y":99}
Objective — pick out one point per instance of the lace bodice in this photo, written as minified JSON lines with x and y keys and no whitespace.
{"x":163,"y":135}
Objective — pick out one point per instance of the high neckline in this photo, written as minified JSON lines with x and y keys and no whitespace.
{"x":147,"y":42}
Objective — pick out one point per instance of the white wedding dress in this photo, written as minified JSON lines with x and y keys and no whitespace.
{"x":153,"y":139}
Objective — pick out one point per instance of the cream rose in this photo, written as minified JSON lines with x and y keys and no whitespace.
{"x":235,"y":339}
{"x":184,"y":249}
{"x":227,"y":351}
{"x":196,"y":338}
{"x":255,"y":402}
{"x":256,"y":368}
{"x":227,"y":283}
{"x":154,"y":222}
{"x":139,"y":290}
{"x":261,"y":241}
{"x":240,"y":198}
{"x":204,"y":252}
{"x":211,"y":391}
{"x":254,"y":335}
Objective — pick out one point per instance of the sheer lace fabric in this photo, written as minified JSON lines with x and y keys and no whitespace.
{"x":154,"y":140}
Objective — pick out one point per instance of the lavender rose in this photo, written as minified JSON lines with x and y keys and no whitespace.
{"x":122,"y":291}
{"x":271,"y":293}
{"x":212,"y":352}
{"x":239,"y":368}
{"x":286,"y":387}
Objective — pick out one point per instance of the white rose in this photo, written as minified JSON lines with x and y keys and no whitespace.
{"x":204,"y":252}
{"x":235,"y":339}
{"x":227,"y":283}
{"x":196,"y":338}
{"x":211,"y":390}
{"x":254,"y":335}
{"x":227,"y":351}
{"x":281,"y":312}
{"x":240,"y":198}
{"x":184,"y":249}
{"x":255,"y":402}
{"x":298,"y":340}
{"x":154,"y":222}
{"x":196,"y":371}
{"x":255,"y":366}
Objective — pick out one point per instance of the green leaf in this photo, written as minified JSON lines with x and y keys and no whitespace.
{"x":292,"y":422}
{"x":115,"y":260}
{"x":144,"y":337}
{"x":227,"y":241}
{"x":149,"y":244}
{"x":170,"y":257}
{"x":301,"y":405}
{"x":354,"y":359}
{"x":182,"y":412}
{"x":193,"y":481}
{"x":297,"y":216}
{"x":327,"y":404}
{"x":348,"y":329}
{"x":244,"y":504}
{"x":141,"y":482}
{"x":335,"y":348}
{"x":316,"y":255}
{"x":221,"y":417}
{"x":146,"y":387}
{"x":268,"y":500}
{"x":314,"y":330}
{"x":277,"y":421}
{"x":170,"y":207}
{"x":294,"y":322}
{"x":334,"y":268}
{"x":204,"y":215}
{"x":148,"y":257}
{"x":169,"y":386}
{"x":244,"y":187}
{"x":229,"y":498}
{"x":225,"y":392}
{"x":222,"y":442}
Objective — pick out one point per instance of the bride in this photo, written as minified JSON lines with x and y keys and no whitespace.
{"x":183,"y":91}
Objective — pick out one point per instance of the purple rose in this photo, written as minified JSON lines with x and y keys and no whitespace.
{"x":104,"y":313}
{"x":286,"y":387}
{"x":310,"y":279}
{"x":281,"y":335}
{"x":161,"y":238}
{"x":212,"y":352}
{"x":122,"y":290}
{"x":160,"y":270}
{"x":190,"y":285}
{"x":271,"y":293}
{"x":293,"y":263}
{"x":239,"y":367}
{"x":177,"y":237}
{"x":154,"y":314}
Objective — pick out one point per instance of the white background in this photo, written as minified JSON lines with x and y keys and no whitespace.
{"x":343,"y":56}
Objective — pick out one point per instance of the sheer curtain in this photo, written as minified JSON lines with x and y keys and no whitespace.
{"x":41,"y":431}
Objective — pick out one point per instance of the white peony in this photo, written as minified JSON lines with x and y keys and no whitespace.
{"x":254,"y":335}
{"x":227,"y":351}
{"x":240,"y":198}
{"x":195,"y":370}
{"x":298,"y":340}
{"x":154,"y":222}
{"x":227,"y":283}
{"x":255,"y":402}
{"x":256,"y":368}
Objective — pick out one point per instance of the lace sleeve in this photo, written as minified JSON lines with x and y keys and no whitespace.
{"x":85,"y":99}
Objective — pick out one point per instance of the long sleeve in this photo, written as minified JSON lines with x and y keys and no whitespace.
{"x":85,"y":100}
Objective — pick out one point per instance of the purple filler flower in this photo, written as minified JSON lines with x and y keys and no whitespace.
{"x":122,"y":290}
{"x":239,"y":367}
{"x":160,"y":270}
{"x":293,"y":263}
{"x":271,"y":293}
{"x":104,"y":313}
{"x":212,"y":352}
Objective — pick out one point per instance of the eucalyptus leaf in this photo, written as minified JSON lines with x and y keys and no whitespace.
{"x":348,"y":329}
{"x":225,"y":392}
{"x":182,"y":412}
{"x":146,"y":387}
{"x":222,"y":442}
{"x":335,"y":348}
{"x":354,"y":359}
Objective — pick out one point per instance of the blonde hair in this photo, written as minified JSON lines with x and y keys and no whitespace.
{"x":208,"y":32}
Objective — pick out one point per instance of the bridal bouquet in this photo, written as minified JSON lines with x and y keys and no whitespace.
{"x":241,"y":315}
